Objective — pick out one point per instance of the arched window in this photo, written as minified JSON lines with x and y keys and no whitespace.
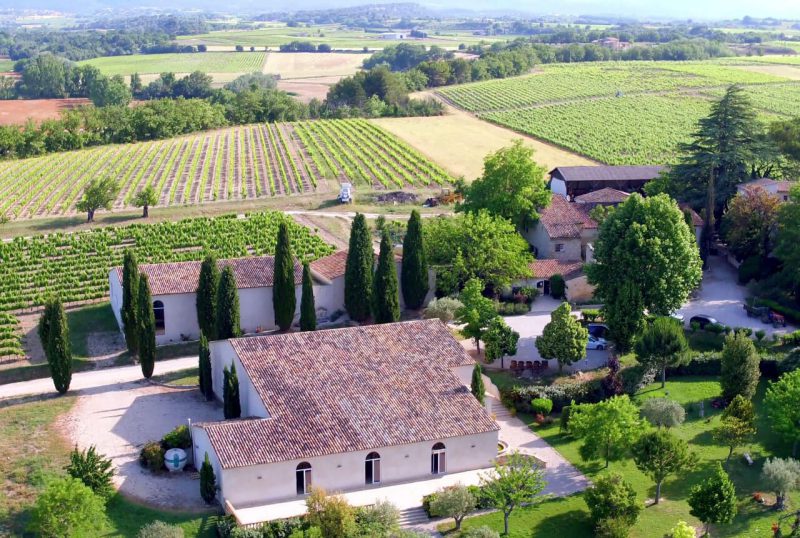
{"x":438,"y":461}
{"x":303,"y":476}
{"x":372,"y":468}
{"x":158,"y":312}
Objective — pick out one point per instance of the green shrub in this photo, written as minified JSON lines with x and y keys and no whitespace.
{"x":67,"y":507}
{"x":791,"y":362}
{"x":541,"y":406}
{"x":746,"y":330}
{"x":590,"y":315}
{"x":791,"y":339}
{"x":715,"y":328}
{"x":760,"y":334}
{"x":636,"y":378}
{"x":159,"y":529}
{"x":520,"y":397}
{"x":694,"y":326}
{"x":152,"y":456}
{"x":92,"y":469}
{"x":557,"y":286}
{"x":791,"y":314}
{"x":564,"y":422}
{"x":180,"y":437}
{"x":512,"y":309}
{"x":749,"y":269}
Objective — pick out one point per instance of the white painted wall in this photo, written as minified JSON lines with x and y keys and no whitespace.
{"x":558,"y":186}
{"x":202,"y":446}
{"x":222,"y":354}
{"x":264,"y":484}
{"x":115,"y":295}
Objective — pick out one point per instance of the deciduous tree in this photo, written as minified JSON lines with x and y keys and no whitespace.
{"x":646,"y":256}
{"x":476,"y":313}
{"x":659,"y":454}
{"x":98,"y":194}
{"x":500,"y":340}
{"x":714,"y":500}
{"x":732,"y":433}
{"x":67,"y":507}
{"x":475,"y":245}
{"x":227,"y":324}
{"x":563,"y":338}
{"x":331,"y":514}
{"x":358,"y":271}
{"x":740,"y":366}
{"x":144,"y":199}
{"x":781,"y":403}
{"x":749,"y":223}
{"x":308,"y":311}
{"x":284,"y":301}
{"x":787,"y":240}
{"x":130,"y":294}
{"x":414,"y":271}
{"x":608,"y":429}
{"x":611,"y":499}
{"x":662,"y":344}
{"x":512,"y":186}
{"x":455,"y":501}
{"x":147,"y":328}
{"x":206,"y":296}
{"x":385,"y":292}
{"x":517,"y":482}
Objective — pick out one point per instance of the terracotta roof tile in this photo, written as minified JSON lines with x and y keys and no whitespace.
{"x":332,"y":266}
{"x":603,"y":196}
{"x":548,"y":268}
{"x":182,"y":277}
{"x":697,"y":220}
{"x":344,"y":390}
{"x":565,"y":220}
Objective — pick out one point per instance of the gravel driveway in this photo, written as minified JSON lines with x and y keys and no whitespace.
{"x":721,"y":297}
{"x":119,"y":419}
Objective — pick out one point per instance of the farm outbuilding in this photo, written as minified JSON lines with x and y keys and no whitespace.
{"x":574,"y":181}
{"x":359,"y":410}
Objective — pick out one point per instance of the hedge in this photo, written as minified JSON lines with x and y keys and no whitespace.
{"x":789,"y":313}
{"x":520,"y":397}
{"x":710,"y":364}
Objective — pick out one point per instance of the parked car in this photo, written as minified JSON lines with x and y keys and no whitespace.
{"x":676,"y":315}
{"x":596,"y":343}
{"x":702,"y":320}
{"x":598,"y":330}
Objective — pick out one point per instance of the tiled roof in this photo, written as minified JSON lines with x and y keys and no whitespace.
{"x":332,"y":266}
{"x":548,"y":268}
{"x":697,"y":220}
{"x":607,"y":173}
{"x":565,"y":220}
{"x":344,"y":390}
{"x":182,"y":277}
{"x":603,"y":196}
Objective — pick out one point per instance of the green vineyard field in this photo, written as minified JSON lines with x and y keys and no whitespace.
{"x":229,"y":164}
{"x":75,"y":266}
{"x":208,"y":62}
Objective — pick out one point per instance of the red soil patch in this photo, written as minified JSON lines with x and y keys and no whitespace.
{"x":18,"y":111}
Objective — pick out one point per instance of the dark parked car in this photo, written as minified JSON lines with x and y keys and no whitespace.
{"x":702,"y":320}
{"x":598,"y":330}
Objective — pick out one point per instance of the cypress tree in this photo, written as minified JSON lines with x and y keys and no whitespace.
{"x":45,"y":321}
{"x":308,"y":313}
{"x":130,"y":294}
{"x":284,"y":301}
{"x":232,"y":407}
{"x":208,"y":482}
{"x":477,"y":387}
{"x":227,"y":306}
{"x":58,"y":350}
{"x":358,"y":271}
{"x":206,"y":297}
{"x":414,"y":271}
{"x":206,"y":384}
{"x":385,"y":293}
{"x":147,"y":328}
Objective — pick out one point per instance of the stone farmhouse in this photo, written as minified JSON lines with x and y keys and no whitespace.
{"x":574,"y":181}
{"x":776,"y":188}
{"x":355,"y":410}
{"x":173,"y":288}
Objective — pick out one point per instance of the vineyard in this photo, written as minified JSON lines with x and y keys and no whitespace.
{"x":207,"y":62}
{"x":622,"y":113}
{"x":76,"y":266}
{"x":236,"y":163}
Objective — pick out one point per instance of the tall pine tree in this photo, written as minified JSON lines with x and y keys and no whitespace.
{"x":385,"y":295}
{"x":57,"y":346}
{"x":227,"y":306}
{"x":414,"y":271}
{"x":130,"y":294}
{"x":284,"y":300}
{"x":147,"y":328}
{"x":206,"y":297}
{"x":358,"y":271}
{"x":308,"y":313}
{"x":204,"y":369}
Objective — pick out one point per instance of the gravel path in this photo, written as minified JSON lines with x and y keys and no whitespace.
{"x":120,"y":418}
{"x":94,"y":379}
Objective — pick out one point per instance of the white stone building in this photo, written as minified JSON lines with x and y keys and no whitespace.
{"x":359,"y":409}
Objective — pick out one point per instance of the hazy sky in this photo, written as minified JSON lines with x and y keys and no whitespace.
{"x":697,"y":9}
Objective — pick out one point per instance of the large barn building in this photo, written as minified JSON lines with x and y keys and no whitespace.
{"x":573,"y":181}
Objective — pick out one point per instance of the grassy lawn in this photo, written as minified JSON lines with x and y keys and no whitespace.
{"x":569,"y":516}
{"x":32,"y":450}
{"x":86,"y":321}
{"x":180,"y":378}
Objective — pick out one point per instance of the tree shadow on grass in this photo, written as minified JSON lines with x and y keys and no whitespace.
{"x":574,"y":523}
{"x":126,"y":516}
